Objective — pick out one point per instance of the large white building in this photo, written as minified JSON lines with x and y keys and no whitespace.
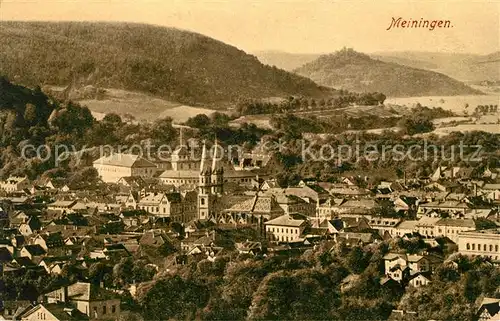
{"x":116,"y":166}
{"x":286,"y":228}
{"x":484,"y":243}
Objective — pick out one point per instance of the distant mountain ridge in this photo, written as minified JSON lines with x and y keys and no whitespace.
{"x":463,"y":67}
{"x":285,"y":60}
{"x":354,"y":71}
{"x":174,"y":64}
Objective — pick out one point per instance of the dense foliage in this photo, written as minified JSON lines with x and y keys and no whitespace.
{"x":341,"y":99}
{"x":30,"y":119}
{"x":329,"y":282}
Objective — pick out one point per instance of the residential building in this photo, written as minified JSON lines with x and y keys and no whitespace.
{"x":286,"y":228}
{"x":489,"y":310}
{"x":419,"y":279}
{"x":426,"y":225}
{"x":95,"y":302}
{"x":485,"y":243}
{"x":450,"y":228}
{"x":53,"y":312}
{"x":404,"y":227}
{"x":14,"y":184}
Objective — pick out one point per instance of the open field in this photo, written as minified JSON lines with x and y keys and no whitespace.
{"x":141,"y":106}
{"x":454,"y":103}
{"x":489,"y":128}
{"x":180,"y":114}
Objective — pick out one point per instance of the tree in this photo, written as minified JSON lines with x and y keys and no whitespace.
{"x":163,"y":132}
{"x":412,"y":125}
{"x":174,"y":298}
{"x":30,"y":114}
{"x":199,"y":121}
{"x":112,"y":118}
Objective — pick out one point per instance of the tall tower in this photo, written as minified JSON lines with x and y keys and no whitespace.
{"x":204,"y":185}
{"x":217,"y":170}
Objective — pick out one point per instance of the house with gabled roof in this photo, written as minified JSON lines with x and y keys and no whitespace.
{"x":14,"y":184}
{"x":251,"y":210}
{"x":23,"y":261}
{"x":62,"y":206}
{"x":286,"y":228}
{"x":53,"y":312}
{"x":5,"y":255}
{"x":49,"y":241}
{"x":134,"y":183}
{"x":295,"y":204}
{"x":249,"y":247}
{"x":91,"y":300}
{"x":31,"y":226}
{"x":452,"y":172}
{"x":356,"y":238}
{"x":489,"y":310}
{"x":396,"y":266}
{"x":13,"y":310}
{"x":450,"y":228}
{"x":338,"y":206}
{"x":419,"y":279}
{"x":33,"y":251}
{"x":383,"y":224}
{"x":404,"y":227}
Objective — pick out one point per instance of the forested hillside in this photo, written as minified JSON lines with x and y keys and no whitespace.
{"x":174,"y":64}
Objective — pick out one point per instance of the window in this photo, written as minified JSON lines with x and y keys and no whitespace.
{"x":113,"y":308}
{"x":496,"y":248}
{"x":202,"y":201}
{"x":473,"y":246}
{"x":104,"y":310}
{"x":468,"y":246}
{"x":484,"y":247}
{"x":491,"y":248}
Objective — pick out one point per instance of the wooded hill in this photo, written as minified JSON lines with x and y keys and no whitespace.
{"x":174,"y":64}
{"x":354,"y":71}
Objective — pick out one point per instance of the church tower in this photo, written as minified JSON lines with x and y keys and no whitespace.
{"x":217,"y":170}
{"x":204,"y":186}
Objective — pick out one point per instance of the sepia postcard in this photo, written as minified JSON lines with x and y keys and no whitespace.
{"x":250,"y":160}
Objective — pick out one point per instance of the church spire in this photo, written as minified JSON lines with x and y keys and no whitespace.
{"x":217,"y":171}
{"x":204,"y":166}
{"x":215,"y":157}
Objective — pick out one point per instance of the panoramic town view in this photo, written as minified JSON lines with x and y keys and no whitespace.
{"x":249,"y":160}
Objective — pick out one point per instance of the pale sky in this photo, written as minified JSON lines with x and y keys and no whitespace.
{"x":297,"y":26}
